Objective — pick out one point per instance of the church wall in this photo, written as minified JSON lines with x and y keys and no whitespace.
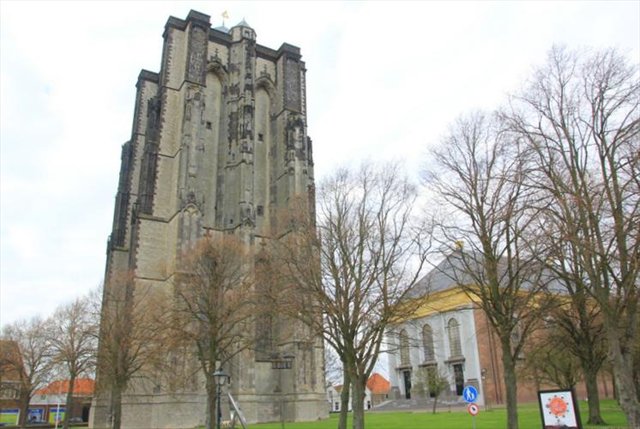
{"x":444,"y":361}
{"x":153,"y":236}
{"x":165,"y":411}
{"x":490,"y":355}
{"x":490,"y":360}
{"x":481,"y":350}
{"x":196,"y":165}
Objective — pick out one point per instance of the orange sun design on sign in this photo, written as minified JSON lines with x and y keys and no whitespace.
{"x":557,"y":406}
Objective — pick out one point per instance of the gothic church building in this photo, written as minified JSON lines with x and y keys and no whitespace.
{"x":219,"y":144}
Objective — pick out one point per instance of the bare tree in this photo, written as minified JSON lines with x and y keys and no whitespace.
{"x":26,"y":355}
{"x":580,"y":116}
{"x":351,"y":271}
{"x":215,"y":305}
{"x":488,"y":236}
{"x":72,"y":334}
{"x":579,"y":323}
{"x":547,"y":360}
{"x":435,"y":381}
{"x":130,"y":337}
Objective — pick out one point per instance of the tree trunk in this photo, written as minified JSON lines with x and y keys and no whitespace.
{"x":211,"y":409}
{"x":509,"y":367}
{"x":593,"y":397}
{"x":69,"y":401}
{"x":24,"y":410}
{"x":116,"y":406}
{"x":359,"y":384}
{"x":623,"y":376}
{"x":344,"y":399}
{"x":435,"y":403}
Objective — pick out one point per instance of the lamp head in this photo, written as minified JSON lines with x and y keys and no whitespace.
{"x":220,"y":378}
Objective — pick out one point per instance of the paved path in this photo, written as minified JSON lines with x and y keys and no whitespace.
{"x":419,"y":405}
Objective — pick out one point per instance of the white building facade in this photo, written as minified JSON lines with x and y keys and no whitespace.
{"x":444,"y":342}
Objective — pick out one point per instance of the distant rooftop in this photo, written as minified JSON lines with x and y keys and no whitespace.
{"x":82,"y":387}
{"x":378,"y":385}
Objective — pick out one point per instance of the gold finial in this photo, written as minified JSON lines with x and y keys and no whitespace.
{"x":225,"y":15}
{"x":459,"y":244}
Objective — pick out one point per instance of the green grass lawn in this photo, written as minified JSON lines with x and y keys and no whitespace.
{"x":529,"y":417}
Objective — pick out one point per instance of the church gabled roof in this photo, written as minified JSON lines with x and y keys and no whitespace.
{"x":449,"y":273}
{"x":454,"y":270}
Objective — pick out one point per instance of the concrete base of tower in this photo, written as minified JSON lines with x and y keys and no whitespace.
{"x":286,"y":407}
{"x":156,"y":411}
{"x":186,"y":411}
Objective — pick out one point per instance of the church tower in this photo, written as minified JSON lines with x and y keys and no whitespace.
{"x":219,"y":144}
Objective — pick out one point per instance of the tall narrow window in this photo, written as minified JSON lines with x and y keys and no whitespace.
{"x":405,"y":359}
{"x":427,"y":343}
{"x":454,"y":338}
{"x":262,"y":149}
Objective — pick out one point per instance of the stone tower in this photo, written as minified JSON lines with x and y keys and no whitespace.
{"x":219,"y":143}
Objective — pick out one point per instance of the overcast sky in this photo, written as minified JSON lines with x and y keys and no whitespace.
{"x":384,"y":80}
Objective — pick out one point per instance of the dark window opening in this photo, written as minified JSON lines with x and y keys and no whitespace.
{"x":406,"y":375}
{"x":208,"y":125}
{"x":458,"y":375}
{"x":260,"y":137}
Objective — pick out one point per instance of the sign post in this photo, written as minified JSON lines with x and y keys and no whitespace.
{"x":470,"y":395}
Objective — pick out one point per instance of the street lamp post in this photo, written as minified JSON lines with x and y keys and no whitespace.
{"x":220,"y":378}
{"x":282,"y":362}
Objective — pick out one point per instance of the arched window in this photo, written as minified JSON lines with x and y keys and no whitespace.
{"x":454,"y":337}
{"x":405,"y":359}
{"x":427,"y":343}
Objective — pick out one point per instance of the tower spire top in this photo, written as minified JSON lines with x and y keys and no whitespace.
{"x":223,"y":27}
{"x":243,"y":23}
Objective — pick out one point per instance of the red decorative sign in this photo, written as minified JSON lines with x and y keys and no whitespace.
{"x":559,"y":408}
{"x":473,"y":409}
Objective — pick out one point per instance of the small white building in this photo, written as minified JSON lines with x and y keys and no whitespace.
{"x":333,"y":398}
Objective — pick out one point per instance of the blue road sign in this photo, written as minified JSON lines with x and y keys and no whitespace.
{"x":470,"y":394}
